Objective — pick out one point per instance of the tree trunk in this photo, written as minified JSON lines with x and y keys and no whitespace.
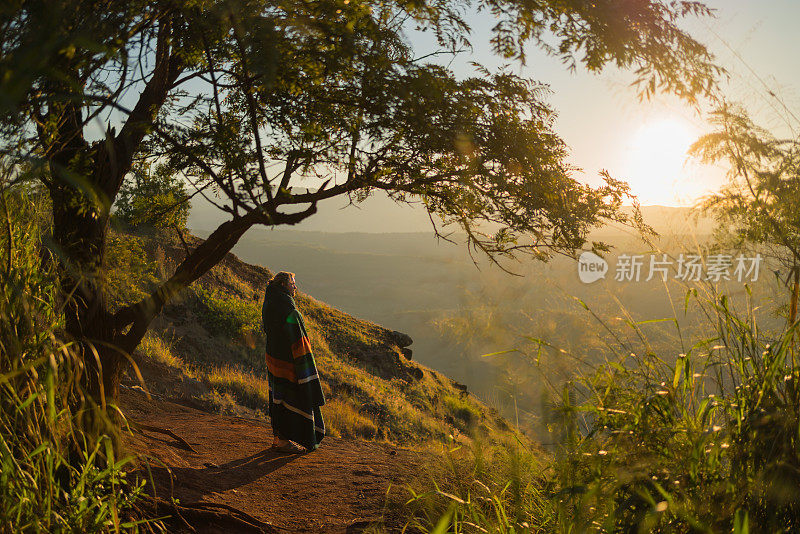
{"x":79,"y":233}
{"x":80,"y":219}
{"x":85,"y":180}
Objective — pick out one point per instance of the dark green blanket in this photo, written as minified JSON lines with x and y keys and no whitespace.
{"x":295,"y":392}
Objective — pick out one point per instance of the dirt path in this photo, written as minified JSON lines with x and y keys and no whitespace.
{"x":341,"y":487}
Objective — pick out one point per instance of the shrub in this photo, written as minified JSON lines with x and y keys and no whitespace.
{"x":226,"y":316}
{"x":129,"y":275}
{"x":152,"y":198}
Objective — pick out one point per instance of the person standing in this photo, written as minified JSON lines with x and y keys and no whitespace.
{"x":295,"y":392}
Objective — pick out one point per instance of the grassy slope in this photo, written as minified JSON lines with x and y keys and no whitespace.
{"x":207,"y":349}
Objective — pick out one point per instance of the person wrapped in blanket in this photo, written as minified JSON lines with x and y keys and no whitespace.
{"x":295,"y":393}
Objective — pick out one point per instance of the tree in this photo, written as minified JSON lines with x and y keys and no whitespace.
{"x":760,"y":205}
{"x":153,"y":198}
{"x":250,"y":97}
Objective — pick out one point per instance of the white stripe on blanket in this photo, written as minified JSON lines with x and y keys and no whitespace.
{"x":293,"y":409}
{"x":308,"y":379}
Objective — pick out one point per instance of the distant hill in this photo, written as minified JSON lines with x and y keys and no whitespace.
{"x":380,"y":214}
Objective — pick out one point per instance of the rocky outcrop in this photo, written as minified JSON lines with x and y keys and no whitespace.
{"x":400,"y":339}
{"x":388,"y":361}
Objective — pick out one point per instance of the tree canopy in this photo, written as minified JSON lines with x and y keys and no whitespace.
{"x":251,"y":99}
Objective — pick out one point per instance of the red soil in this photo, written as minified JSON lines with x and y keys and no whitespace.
{"x":341,"y":487}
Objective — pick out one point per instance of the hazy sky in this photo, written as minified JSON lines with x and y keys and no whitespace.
{"x":607,"y":127}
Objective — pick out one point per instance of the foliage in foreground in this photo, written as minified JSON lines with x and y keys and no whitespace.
{"x":704,"y":441}
{"x":54,"y":476}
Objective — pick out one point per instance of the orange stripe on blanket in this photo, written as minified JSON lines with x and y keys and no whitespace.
{"x":301,"y":347}
{"x":281,"y":368}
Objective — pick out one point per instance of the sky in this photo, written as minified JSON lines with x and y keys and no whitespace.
{"x":607,"y":127}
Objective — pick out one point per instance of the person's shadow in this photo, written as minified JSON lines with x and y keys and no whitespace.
{"x":192,"y":483}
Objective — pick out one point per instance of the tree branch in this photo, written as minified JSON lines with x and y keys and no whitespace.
{"x":196,"y":264}
{"x":113,"y":163}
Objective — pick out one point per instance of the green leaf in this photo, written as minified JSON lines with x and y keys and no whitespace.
{"x":679,"y":364}
{"x":444,"y":521}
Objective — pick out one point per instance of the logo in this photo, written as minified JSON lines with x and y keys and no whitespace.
{"x":591,"y":267}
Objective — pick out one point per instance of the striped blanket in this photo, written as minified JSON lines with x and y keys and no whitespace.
{"x":295,"y":394}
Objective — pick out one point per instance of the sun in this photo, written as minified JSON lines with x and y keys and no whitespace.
{"x":655,"y":162}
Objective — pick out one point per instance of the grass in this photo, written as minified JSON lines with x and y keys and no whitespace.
{"x":156,"y":349}
{"x":56,"y":474}
{"x":344,"y":421}
{"x":704,"y":440}
{"x":480,"y":487}
{"x":243,"y":386}
{"x":462,"y":410}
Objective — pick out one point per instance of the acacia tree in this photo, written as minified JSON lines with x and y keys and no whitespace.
{"x":250,"y":97}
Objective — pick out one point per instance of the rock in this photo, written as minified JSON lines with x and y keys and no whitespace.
{"x":400,"y":339}
{"x":408,"y":353}
{"x":384,"y":361}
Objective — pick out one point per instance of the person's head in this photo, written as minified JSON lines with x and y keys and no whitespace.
{"x":286,"y":281}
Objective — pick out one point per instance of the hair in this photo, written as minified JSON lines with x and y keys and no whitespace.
{"x":282,"y":278}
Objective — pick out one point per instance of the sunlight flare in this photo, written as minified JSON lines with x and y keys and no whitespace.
{"x":655,"y":163}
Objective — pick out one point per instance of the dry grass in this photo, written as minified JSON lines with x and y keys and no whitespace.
{"x":247,"y":388}
{"x":157,"y":350}
{"x":222,"y":402}
{"x":343,"y":421}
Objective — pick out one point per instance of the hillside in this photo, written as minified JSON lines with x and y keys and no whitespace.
{"x":206,"y":350}
{"x":201,"y":376}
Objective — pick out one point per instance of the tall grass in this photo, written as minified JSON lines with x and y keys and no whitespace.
{"x":481,"y":487}
{"x":705,"y":439}
{"x":54,"y":477}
